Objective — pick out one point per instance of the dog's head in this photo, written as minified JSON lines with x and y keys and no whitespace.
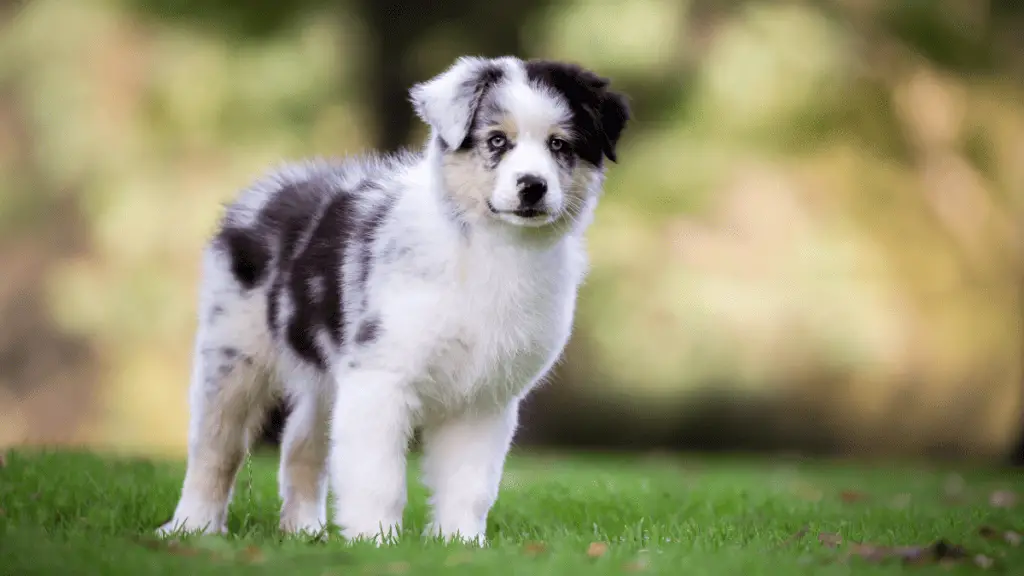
{"x":523,"y":142}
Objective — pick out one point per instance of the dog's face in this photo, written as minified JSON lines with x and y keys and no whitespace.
{"x":522,"y":142}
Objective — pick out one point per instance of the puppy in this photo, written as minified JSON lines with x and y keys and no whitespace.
{"x":382,"y":294}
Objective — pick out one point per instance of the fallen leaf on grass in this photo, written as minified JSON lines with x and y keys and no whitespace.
{"x":179,"y":549}
{"x":597,"y":549}
{"x":251,"y":555}
{"x":829,"y":539}
{"x":534,"y":548}
{"x":1003,"y":499}
{"x":941,"y":551}
{"x":851,"y":496}
{"x":988,"y":532}
{"x":868,"y":552}
{"x":797,"y":536}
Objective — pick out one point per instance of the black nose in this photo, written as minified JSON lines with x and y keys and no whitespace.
{"x":531,"y":189}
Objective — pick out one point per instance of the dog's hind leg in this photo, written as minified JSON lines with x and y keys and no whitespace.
{"x":305,"y":443}
{"x":228,"y":397}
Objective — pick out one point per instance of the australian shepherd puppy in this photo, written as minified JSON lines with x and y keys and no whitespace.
{"x":384,"y":294}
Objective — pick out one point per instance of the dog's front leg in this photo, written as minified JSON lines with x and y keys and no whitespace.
{"x":463,"y":459}
{"x":370,"y":431}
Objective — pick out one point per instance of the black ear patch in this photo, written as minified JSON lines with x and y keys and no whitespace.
{"x":614,"y":115}
{"x":599,"y":114}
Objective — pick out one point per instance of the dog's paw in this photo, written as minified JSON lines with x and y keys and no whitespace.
{"x":312,"y":529}
{"x":375,"y":537}
{"x":478,"y":540}
{"x":303,"y":520}
{"x":186,"y":526}
{"x":470,"y":537}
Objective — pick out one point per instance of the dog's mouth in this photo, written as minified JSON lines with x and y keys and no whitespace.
{"x":528,"y":213}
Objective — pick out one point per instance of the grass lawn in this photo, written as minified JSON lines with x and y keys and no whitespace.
{"x":75,"y":513}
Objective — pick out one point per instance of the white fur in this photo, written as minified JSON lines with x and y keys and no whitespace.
{"x":536,"y":113}
{"x":434,"y":103}
{"x":468,"y":326}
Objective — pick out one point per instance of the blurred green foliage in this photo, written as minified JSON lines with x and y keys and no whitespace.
{"x":817,"y":208}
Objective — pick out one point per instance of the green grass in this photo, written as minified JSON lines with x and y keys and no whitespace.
{"x":74,"y":513}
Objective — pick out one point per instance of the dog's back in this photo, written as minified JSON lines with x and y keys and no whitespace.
{"x":285,"y":244}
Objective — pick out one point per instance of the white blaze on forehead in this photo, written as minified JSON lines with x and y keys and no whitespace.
{"x":534,"y":109}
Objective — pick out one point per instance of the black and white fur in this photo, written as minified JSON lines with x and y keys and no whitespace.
{"x":383,"y":294}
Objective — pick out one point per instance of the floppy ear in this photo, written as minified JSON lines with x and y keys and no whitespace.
{"x":614,"y":113}
{"x":610,"y":114}
{"x":449,"y":101}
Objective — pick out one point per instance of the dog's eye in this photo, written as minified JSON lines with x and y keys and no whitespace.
{"x":497,"y":141}
{"x":557,"y":144}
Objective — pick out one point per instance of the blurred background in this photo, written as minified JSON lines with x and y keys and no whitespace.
{"x":812,"y":242}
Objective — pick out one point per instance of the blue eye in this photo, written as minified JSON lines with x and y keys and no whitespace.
{"x":557,"y":144}
{"x":497,"y":141}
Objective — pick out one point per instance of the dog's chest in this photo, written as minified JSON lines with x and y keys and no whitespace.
{"x":503,"y":329}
